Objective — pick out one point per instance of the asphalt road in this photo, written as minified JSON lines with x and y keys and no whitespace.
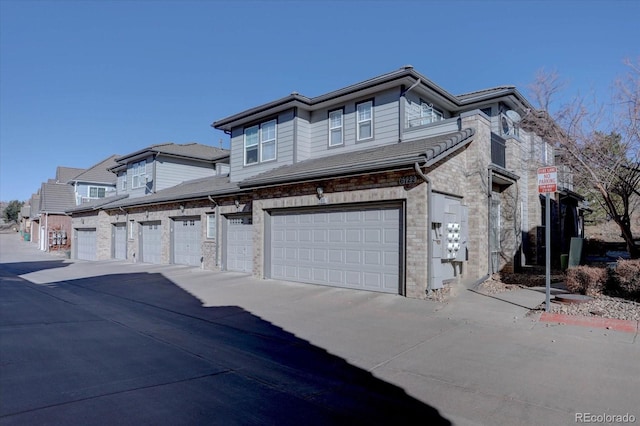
{"x":134,"y":348}
{"x":104,"y":343}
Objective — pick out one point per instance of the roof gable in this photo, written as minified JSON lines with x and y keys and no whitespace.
{"x":56,"y":197}
{"x":99,"y":173}
{"x":66,"y":174}
{"x":194,"y":151}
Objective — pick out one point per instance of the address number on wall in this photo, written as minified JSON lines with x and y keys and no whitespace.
{"x":407,"y":180}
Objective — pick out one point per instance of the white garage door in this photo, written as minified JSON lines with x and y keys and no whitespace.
{"x":120,"y":241}
{"x":151,"y":242}
{"x":357,"y":249}
{"x":239,"y":253}
{"x":187,"y":237}
{"x":86,"y":240}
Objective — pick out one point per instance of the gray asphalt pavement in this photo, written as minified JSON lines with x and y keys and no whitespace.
{"x":97,"y":343}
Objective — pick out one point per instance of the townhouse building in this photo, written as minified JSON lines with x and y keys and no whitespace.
{"x":390,"y":185}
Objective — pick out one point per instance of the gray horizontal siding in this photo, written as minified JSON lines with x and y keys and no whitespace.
{"x":284,"y":149}
{"x":175,"y":171}
{"x":303,"y":140}
{"x":385,"y":125}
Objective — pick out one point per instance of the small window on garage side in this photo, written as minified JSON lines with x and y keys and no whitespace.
{"x":132,"y":229}
{"x":211,"y":225}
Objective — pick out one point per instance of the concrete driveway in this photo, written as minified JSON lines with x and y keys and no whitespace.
{"x":121,"y":343}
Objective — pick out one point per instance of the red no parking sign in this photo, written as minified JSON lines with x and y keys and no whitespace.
{"x":547,"y":179}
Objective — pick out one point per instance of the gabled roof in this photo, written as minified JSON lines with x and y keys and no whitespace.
{"x":99,"y":173}
{"x":56,"y":197}
{"x":189,"y":190}
{"x":66,"y":174}
{"x":34,"y":202}
{"x":379,"y":158}
{"x":193,"y":151}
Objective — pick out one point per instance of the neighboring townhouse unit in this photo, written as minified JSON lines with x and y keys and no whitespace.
{"x":50,"y":220}
{"x":165,"y":165}
{"x":391,"y":185}
{"x":95,"y":182}
{"x":162,"y":212}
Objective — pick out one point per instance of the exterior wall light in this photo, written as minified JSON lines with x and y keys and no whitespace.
{"x":320,"y":192}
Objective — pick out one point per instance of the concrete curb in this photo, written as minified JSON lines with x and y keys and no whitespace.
{"x":627,"y":326}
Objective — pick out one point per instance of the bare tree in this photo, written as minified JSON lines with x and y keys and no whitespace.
{"x":601,"y":143}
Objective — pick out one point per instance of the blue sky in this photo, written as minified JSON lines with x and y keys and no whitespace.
{"x":81,"y":80}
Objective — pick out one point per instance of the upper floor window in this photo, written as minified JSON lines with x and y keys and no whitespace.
{"x":123,"y":181}
{"x":96,"y":192}
{"x":428,"y":114}
{"x":335,"y":128}
{"x":138,"y":174}
{"x":364,"y":118}
{"x":260,"y":143}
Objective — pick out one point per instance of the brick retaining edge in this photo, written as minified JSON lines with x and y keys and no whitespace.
{"x":627,"y":326}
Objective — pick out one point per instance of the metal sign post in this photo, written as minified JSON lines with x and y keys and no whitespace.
{"x":547,"y":184}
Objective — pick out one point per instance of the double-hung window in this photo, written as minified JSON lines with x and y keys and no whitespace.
{"x":364,"y":121}
{"x":138,"y":173}
{"x":428,"y":114}
{"x":260,"y":143}
{"x":211,"y":225}
{"x":335,"y":128}
{"x":123,"y":181}
{"x":96,"y":192}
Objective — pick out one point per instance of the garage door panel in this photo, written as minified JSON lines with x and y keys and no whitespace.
{"x":239,"y":252}
{"x":352,"y":248}
{"x":151,"y":242}
{"x":87,"y":244}
{"x":120,"y":241}
{"x":187,"y":241}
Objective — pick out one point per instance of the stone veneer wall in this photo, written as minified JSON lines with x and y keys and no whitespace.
{"x":371,"y":189}
{"x":103,"y":222}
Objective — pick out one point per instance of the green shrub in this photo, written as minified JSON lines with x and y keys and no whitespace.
{"x":587,"y":280}
{"x":624,"y":280}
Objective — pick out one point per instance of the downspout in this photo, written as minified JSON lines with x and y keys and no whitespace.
{"x":424,"y":177}
{"x":46,"y":232}
{"x":217,"y":245}
{"x":401,"y":111}
{"x":489,"y":197}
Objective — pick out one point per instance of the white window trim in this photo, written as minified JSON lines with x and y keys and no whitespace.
{"x":360,"y":122}
{"x":97,"y":188}
{"x":333,"y":128}
{"x":211,"y":225}
{"x":261,"y":143}
{"x":264,"y":141}
{"x":138,"y":170}
{"x":132,"y":227}
{"x":256,"y":146}
{"x":123,"y":182}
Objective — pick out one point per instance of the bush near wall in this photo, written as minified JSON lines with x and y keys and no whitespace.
{"x":624,"y":280}
{"x":587,"y":280}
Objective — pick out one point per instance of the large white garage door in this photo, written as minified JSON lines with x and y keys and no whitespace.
{"x":357,"y":249}
{"x":239,"y":253}
{"x":120,"y":241}
{"x":151,"y":242}
{"x":187,"y":237}
{"x":86,"y":240}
